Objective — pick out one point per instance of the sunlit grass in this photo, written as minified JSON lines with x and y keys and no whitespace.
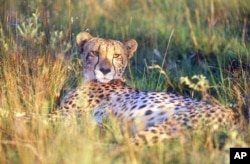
{"x":39,"y":62}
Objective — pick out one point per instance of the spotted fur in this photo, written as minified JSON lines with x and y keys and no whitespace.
{"x":158,"y":113}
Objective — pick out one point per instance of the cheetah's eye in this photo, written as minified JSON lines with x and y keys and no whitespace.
{"x":116,"y":55}
{"x":93,"y":53}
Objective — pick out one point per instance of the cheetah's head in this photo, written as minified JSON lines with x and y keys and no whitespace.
{"x":104,"y":59}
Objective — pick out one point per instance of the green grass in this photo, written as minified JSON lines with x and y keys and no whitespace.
{"x":39,"y":62}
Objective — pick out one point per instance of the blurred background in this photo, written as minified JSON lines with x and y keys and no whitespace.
{"x":195,"y":48}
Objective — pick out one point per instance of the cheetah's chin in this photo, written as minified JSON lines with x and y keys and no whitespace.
{"x":104,"y":80}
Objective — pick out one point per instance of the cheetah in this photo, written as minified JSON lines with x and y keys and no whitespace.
{"x":154,"y":116}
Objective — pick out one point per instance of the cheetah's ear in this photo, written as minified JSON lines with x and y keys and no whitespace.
{"x":81,"y":39}
{"x":131,"y":46}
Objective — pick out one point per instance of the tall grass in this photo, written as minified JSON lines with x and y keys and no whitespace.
{"x":39,"y":62}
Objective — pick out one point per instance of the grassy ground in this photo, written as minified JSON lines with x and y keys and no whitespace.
{"x":39,"y":61}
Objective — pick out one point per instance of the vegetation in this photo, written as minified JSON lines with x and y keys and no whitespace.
{"x":180,"y":39}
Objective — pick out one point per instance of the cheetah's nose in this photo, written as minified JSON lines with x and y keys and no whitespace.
{"x":105,"y":70}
